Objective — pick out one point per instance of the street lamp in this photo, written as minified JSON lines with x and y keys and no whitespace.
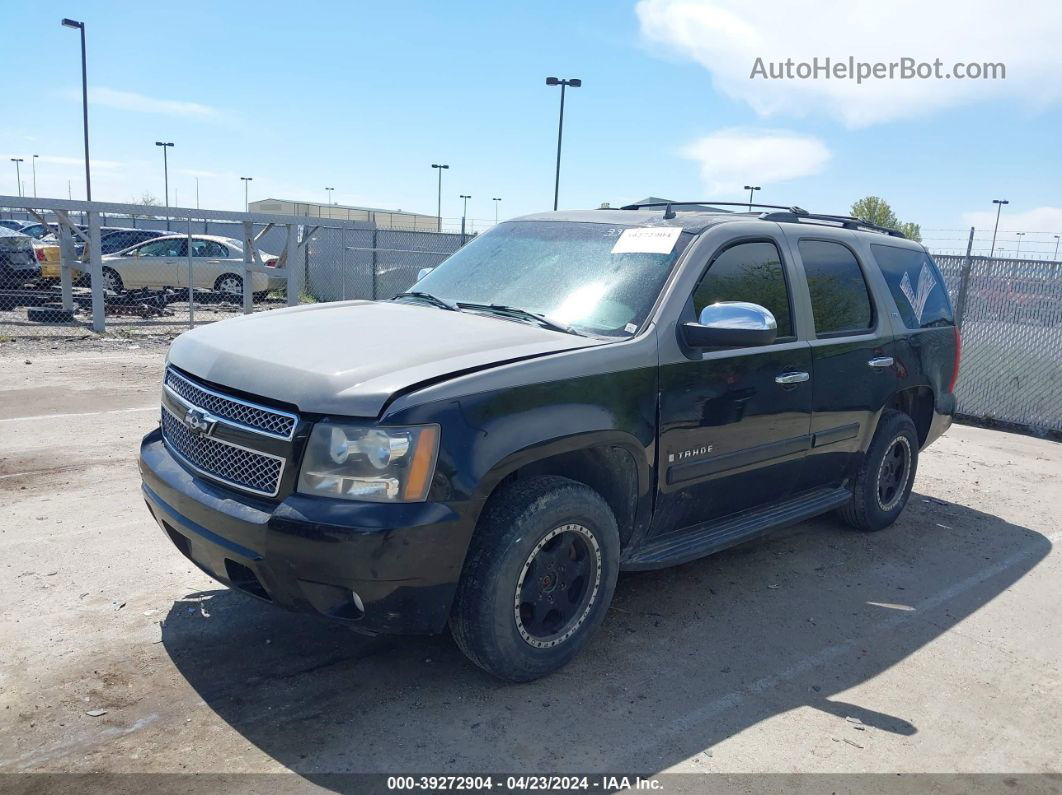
{"x":165,"y":168}
{"x":246,"y":203}
{"x":34,"y":162}
{"x":1056,"y":245}
{"x":574,"y":83}
{"x":329,"y":192}
{"x":72,"y":23}
{"x":440,"y":166}
{"x":464,"y":212}
{"x":18,"y":174}
{"x":497,"y":199}
{"x":751,"y":189}
{"x":999,"y":208}
{"x":1017,"y":251}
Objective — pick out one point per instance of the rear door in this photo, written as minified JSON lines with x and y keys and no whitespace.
{"x":734,"y":423}
{"x":853,"y":367}
{"x":154,"y":264}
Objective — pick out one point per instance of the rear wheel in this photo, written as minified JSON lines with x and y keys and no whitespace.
{"x":538,"y":579}
{"x":883,"y":484}
{"x":112,"y":280}
{"x":229,"y":284}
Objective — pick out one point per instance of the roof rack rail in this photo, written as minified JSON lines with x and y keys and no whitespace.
{"x":666,"y":204}
{"x":844,"y":221}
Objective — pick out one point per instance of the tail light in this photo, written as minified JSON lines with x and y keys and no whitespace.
{"x":958,"y":355}
{"x":272,"y":262}
{"x":39,"y":252}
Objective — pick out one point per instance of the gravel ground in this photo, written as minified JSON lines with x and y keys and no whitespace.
{"x":934,"y":646}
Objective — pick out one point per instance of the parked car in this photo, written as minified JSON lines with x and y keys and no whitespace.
{"x":570,"y":395}
{"x":116,"y":239}
{"x":10,"y":223}
{"x":18,"y":259}
{"x":38,"y":230}
{"x":217,"y":264}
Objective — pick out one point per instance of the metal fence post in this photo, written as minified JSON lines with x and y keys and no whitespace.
{"x":248,"y":241}
{"x":191,"y":280}
{"x":96,"y":271}
{"x":66,"y":262}
{"x":374,"y":246}
{"x":295,"y":274}
{"x":964,"y":281}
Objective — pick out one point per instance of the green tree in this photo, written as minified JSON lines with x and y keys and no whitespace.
{"x":875,"y":210}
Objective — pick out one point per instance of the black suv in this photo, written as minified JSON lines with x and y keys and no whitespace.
{"x":570,"y":395}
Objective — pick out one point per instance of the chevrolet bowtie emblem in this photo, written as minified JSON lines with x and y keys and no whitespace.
{"x":199,"y":422}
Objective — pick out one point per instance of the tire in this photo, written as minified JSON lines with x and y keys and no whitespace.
{"x":43,"y":314}
{"x":229,"y":284}
{"x":555,"y":527}
{"x":883,"y":484}
{"x":112,"y":280}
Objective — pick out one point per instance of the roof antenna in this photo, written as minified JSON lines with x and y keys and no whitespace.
{"x":668,"y":212}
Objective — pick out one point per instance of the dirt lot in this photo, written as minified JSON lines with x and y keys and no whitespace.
{"x":934,"y":646}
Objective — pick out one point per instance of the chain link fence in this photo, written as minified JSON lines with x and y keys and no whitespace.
{"x":1010,"y":313}
{"x":162,"y":275}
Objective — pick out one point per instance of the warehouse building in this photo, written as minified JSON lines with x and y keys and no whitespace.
{"x":384,"y":219}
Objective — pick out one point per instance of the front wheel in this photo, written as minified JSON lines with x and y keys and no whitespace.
{"x":229,"y":285}
{"x":538,"y":579}
{"x":885,"y":478}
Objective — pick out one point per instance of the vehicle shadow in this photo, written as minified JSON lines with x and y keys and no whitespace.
{"x":686,"y":658}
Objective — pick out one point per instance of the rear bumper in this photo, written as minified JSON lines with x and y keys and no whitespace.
{"x":312,"y":554}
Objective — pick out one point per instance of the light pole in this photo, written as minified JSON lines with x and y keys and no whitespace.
{"x":574,"y":82}
{"x":464,"y":212}
{"x":329,"y":193}
{"x":999,"y":208}
{"x":1056,"y":245}
{"x":1017,"y":251}
{"x":246,"y":203}
{"x":197,"y":193}
{"x":440,"y":166}
{"x":18,"y":174}
{"x":72,"y":23}
{"x":751,"y":189}
{"x":34,"y":162}
{"x":165,"y":168}
{"x":496,"y":199}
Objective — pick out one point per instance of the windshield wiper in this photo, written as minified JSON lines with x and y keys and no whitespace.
{"x":442,"y":303}
{"x":525,"y":314}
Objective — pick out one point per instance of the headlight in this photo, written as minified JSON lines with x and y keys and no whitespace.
{"x":355,"y":462}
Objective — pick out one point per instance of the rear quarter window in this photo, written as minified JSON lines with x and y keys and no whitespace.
{"x":916,"y":286}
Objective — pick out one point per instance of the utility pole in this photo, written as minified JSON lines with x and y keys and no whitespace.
{"x":574,"y":83}
{"x":34,"y":162}
{"x":497,"y":199}
{"x":1017,"y":251}
{"x":999,"y":208}
{"x":440,"y":166}
{"x":1056,"y":245}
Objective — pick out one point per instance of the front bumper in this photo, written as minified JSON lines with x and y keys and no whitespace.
{"x":314,"y":554}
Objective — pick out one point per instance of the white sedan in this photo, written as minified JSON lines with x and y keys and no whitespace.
{"x":217,"y":264}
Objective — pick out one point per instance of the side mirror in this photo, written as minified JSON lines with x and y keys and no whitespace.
{"x":731,"y":324}
{"x":423,"y":272}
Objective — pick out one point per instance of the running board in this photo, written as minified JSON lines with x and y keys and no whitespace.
{"x":706,"y":539}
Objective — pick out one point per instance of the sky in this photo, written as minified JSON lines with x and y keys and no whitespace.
{"x":364,"y":97}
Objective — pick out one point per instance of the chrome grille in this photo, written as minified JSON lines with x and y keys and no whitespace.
{"x":236,"y":466}
{"x":260,"y":418}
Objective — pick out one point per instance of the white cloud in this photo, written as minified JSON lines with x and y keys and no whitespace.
{"x":735,"y":157}
{"x":727,"y":36}
{"x":129,"y":100}
{"x":1045,"y":220}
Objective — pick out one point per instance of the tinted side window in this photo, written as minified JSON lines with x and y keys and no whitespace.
{"x":840,"y":300}
{"x":916,"y":286}
{"x":747,"y":272}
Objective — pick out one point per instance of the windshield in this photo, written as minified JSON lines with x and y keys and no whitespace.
{"x":598,"y":278}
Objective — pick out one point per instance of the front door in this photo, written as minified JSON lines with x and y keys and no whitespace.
{"x":734,"y":423}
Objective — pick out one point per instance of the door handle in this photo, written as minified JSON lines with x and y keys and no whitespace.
{"x":791,"y":378}
{"x":881,"y":361}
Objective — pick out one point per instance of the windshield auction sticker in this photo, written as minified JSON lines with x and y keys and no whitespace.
{"x":647,"y":240}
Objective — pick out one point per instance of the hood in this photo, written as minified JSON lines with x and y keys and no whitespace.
{"x":350,"y":357}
